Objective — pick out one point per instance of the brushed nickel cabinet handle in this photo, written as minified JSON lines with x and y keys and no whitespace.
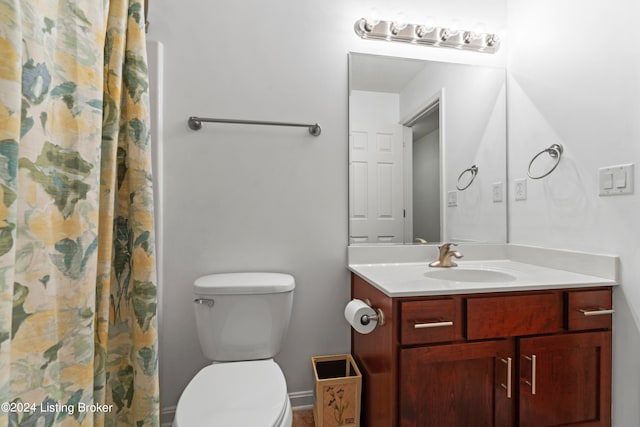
{"x":432,"y":324}
{"x":508,"y":385}
{"x":532,"y":383}
{"x":598,"y":312}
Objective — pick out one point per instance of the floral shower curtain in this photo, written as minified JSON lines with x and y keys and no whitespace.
{"x":78,"y":336}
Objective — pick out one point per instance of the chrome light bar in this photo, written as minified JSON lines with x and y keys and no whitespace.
{"x":426,"y":35}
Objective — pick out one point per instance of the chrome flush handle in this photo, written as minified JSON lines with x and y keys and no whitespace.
{"x":206,"y":301}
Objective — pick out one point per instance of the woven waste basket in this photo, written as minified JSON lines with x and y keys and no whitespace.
{"x":338,"y":389}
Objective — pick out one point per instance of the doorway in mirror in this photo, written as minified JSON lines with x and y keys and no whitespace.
{"x":422,"y":176}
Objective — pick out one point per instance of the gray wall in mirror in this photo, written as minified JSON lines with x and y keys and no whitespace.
{"x":414,"y":127}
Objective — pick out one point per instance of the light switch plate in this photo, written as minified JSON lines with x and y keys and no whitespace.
{"x":521,"y":189}
{"x":497,"y":191}
{"x":452,"y":199}
{"x":615,"y":180}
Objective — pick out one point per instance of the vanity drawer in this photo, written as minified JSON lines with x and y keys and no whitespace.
{"x":430,"y":321}
{"x":508,"y":316}
{"x":589,"y":309}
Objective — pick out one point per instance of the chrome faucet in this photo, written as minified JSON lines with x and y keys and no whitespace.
{"x":444,"y":258}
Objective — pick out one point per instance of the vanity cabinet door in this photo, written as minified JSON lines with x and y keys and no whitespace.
{"x":565,"y":380}
{"x":458,"y":385}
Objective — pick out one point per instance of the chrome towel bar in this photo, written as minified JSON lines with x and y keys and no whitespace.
{"x":195,"y":123}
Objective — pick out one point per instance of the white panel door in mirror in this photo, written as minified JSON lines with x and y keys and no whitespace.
{"x":376,"y":183}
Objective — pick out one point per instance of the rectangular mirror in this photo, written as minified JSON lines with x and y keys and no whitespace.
{"x":427,"y":152}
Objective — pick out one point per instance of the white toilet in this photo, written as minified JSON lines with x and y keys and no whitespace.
{"x":242,"y":320}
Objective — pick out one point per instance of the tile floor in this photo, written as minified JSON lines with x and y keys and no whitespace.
{"x":303,"y":418}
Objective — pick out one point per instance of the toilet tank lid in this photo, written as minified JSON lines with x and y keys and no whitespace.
{"x":244,"y":283}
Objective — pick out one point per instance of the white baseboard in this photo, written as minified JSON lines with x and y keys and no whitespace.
{"x":166,"y":416}
{"x":300,"y":400}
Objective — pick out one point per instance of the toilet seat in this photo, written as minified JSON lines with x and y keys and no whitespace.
{"x":244,"y":394}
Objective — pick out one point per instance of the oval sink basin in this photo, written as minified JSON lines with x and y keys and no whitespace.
{"x":470,"y":275}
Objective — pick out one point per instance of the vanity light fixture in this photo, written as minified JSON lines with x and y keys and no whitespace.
{"x":426,"y":34}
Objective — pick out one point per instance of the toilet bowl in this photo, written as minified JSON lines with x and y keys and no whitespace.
{"x":242,"y":394}
{"x":241,"y":320}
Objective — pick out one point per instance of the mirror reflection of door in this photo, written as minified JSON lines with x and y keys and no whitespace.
{"x":395,"y":172}
{"x":376,"y":193}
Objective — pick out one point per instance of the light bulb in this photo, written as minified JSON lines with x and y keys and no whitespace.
{"x":468,"y":37}
{"x":427,"y":27}
{"x":399,"y":24}
{"x":445,"y":33}
{"x":429,"y":23}
{"x":372,"y":20}
{"x":455,"y":26}
{"x":479,"y":28}
{"x":491,"y":39}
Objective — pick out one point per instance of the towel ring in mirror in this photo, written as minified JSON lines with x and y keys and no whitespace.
{"x":555,"y":151}
{"x":473,"y":170}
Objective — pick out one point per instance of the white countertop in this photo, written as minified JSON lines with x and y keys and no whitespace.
{"x":411,"y":278}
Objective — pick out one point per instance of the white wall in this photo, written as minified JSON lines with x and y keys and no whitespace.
{"x":575,"y":80}
{"x":365,"y":106}
{"x":252,"y":198}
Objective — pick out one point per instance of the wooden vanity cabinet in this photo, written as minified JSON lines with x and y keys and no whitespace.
{"x":517,"y":359}
{"x":466,"y":384}
{"x":572,"y":380}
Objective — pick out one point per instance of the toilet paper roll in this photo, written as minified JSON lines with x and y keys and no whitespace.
{"x":354,"y":311}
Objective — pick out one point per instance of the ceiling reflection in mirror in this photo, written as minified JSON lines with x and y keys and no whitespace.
{"x":427,"y":152}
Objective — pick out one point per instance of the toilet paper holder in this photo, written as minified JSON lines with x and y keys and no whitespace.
{"x":378,"y":317}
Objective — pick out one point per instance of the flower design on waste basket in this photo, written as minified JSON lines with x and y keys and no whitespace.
{"x":338,"y":403}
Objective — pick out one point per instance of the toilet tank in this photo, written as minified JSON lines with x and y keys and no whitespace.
{"x":242,"y":316}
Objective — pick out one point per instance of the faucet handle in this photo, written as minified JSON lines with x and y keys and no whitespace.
{"x":444,"y":259}
{"x":444,"y":248}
